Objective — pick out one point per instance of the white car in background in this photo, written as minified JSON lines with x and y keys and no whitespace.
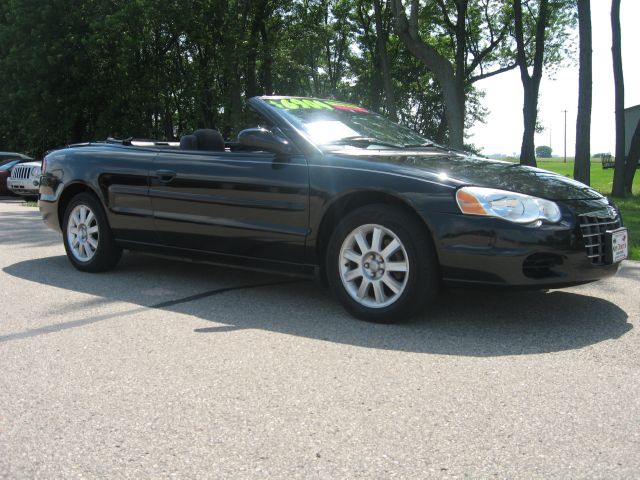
{"x":25,"y":179}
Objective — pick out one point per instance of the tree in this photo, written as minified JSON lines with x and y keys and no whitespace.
{"x":618,"y":82}
{"x":624,"y":169}
{"x":382,"y":38}
{"x":582,"y":165}
{"x":455,"y":48}
{"x":157,"y":69}
{"x":530,"y":82}
{"x":540,"y":33}
{"x":543,"y":151}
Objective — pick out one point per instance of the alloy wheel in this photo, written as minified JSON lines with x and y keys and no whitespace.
{"x":374,"y":266}
{"x":83,"y":234}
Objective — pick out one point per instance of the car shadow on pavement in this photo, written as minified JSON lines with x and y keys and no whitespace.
{"x":461,"y":322}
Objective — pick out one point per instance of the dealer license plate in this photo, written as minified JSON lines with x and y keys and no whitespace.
{"x":619,"y":244}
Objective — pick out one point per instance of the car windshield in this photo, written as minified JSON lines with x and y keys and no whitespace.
{"x":6,"y":165}
{"x":331,"y":123}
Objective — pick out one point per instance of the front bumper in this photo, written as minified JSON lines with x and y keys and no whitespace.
{"x":488,"y":251}
{"x":26,"y":186}
{"x":49,"y":212}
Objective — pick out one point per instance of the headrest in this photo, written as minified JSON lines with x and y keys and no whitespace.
{"x":204,"y":139}
{"x":189,"y":142}
{"x":209,"y":140}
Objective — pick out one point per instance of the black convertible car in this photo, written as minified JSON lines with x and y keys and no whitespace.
{"x":328,"y":189}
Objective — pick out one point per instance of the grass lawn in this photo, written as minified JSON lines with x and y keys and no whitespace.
{"x":602,"y":181}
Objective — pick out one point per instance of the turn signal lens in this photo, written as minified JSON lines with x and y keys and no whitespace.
{"x":469,"y":204}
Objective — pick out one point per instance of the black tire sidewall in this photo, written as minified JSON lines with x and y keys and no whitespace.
{"x":422,"y":285}
{"x":107,"y":254}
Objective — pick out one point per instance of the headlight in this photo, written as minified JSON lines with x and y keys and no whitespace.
{"x":511,"y":206}
{"x":35,"y":171}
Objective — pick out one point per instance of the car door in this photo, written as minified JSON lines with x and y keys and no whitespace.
{"x":249,"y":204}
{"x":125,"y":185}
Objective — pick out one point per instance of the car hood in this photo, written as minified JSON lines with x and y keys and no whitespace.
{"x":458,"y":170}
{"x":29,"y":164}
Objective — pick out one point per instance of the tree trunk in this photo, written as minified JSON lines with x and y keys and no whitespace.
{"x":206,"y":101}
{"x":167,"y":118}
{"x":454,"y":100}
{"x":459,"y":104}
{"x":381,"y":43}
{"x":618,"y":81}
{"x":441,"y":67}
{"x":234,"y":103}
{"x":442,"y":129}
{"x":267,"y":61}
{"x":370,"y":43}
{"x":251,"y":89}
{"x":529,"y":115}
{"x":582,"y":165}
{"x":377,"y":83}
{"x":530,"y":82}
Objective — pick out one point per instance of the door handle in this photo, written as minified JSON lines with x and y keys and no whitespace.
{"x":165,"y":176}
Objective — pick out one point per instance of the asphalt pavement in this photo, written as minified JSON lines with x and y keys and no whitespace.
{"x":165,"y":369}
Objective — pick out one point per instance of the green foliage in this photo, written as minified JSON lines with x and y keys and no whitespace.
{"x":82,"y":70}
{"x":543,"y":151}
{"x":560,"y":38}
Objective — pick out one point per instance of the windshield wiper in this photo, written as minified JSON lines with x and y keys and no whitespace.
{"x":364,"y":141}
{"x":418,"y":145}
{"x":436,"y":145}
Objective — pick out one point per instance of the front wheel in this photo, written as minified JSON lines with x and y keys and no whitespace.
{"x":381,"y":264}
{"x":87,"y":237}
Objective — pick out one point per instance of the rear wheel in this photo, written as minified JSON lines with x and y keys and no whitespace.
{"x":88,"y":240}
{"x":381,"y":264}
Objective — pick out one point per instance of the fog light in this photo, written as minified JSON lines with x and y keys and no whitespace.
{"x":36,"y":183}
{"x":542,"y":265}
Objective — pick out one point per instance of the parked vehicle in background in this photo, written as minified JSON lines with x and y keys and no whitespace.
{"x":7,"y":156}
{"x":25,"y":179}
{"x":8,"y":160}
{"x":5,"y":171}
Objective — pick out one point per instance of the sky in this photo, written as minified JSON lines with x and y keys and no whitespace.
{"x":502,"y":132}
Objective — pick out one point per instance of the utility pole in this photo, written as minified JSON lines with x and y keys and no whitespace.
{"x":565,"y":135}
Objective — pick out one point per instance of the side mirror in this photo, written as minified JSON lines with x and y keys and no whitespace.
{"x":261,"y":139}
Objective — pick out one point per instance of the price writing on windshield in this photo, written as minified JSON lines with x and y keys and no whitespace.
{"x":306,"y":103}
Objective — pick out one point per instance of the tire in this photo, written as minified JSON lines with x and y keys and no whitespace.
{"x":403,"y":277}
{"x":87,"y":237}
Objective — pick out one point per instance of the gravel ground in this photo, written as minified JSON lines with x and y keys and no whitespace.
{"x":166,"y":369}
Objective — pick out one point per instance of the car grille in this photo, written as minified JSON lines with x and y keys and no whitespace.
{"x":20,"y":172}
{"x":593,"y":226}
